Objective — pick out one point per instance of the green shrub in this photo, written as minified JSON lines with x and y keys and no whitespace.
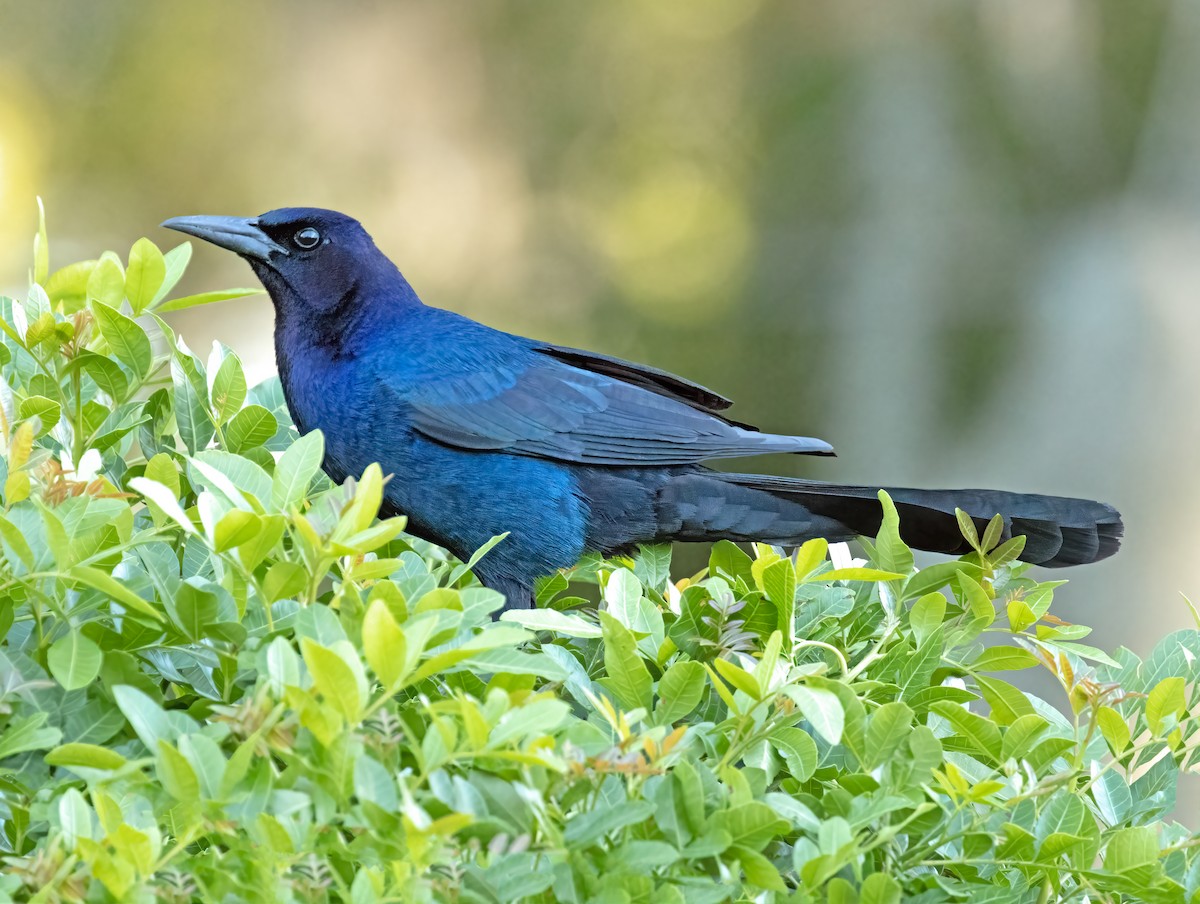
{"x":223,"y":679}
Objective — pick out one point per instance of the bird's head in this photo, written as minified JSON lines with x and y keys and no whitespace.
{"x":310,"y":260}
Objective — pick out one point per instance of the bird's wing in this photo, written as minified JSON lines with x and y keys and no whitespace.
{"x":557,"y":411}
{"x":651,"y":378}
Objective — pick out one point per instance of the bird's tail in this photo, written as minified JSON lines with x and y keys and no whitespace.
{"x":711,"y":505}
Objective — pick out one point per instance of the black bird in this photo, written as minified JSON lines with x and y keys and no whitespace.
{"x":567,"y":450}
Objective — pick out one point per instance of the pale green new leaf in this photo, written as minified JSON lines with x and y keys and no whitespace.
{"x":175,"y":261}
{"x":127,"y":340}
{"x":106,"y":584}
{"x":679,"y":691}
{"x":191,"y":301}
{"x":145,"y":274}
{"x":250,"y":427}
{"x":334,"y":678}
{"x":295,"y":470}
{"x":384,"y":645}
{"x":552,"y":620}
{"x":822,"y":709}
{"x":74,"y":660}
{"x":628,"y":678}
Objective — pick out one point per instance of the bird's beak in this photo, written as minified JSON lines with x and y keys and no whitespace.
{"x":241,"y":236}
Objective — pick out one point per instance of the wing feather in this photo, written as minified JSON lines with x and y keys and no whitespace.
{"x":562,"y":412}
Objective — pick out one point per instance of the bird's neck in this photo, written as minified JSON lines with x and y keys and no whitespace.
{"x":316,"y":342}
{"x":337,"y":325}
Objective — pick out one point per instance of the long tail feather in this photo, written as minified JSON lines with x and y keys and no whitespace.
{"x":710,"y":505}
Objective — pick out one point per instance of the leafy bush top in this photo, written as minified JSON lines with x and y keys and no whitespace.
{"x":223,"y":678}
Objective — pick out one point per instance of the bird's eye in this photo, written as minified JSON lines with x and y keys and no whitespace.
{"x":307,"y":238}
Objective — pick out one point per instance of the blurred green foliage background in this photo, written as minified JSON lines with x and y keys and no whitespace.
{"x":961,"y":241}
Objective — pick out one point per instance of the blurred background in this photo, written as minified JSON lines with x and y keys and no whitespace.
{"x":961,"y":241}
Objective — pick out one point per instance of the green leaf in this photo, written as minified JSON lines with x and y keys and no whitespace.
{"x":983,"y":734}
{"x":981,"y":604}
{"x":236,"y":528}
{"x":457,"y":574}
{"x":798,"y":749}
{"x":175,"y":261}
{"x":47,"y":411}
{"x":1008,"y":551}
{"x":176,"y":774}
{"x":623,"y":600}
{"x":1112,"y":795}
{"x":148,"y":720}
{"x":767,"y":673}
{"x":966,"y":525}
{"x":196,"y":609}
{"x":1165,"y":701}
{"x":779,"y":583}
{"x":106,"y":584}
{"x":1020,"y":616}
{"x":28,"y":733}
{"x":249,"y":428}
{"x":628,"y":678}
{"x":283,"y":665}
{"x":145,"y":274}
{"x":822,"y":709}
{"x":992,"y":533}
{"x":752,"y":825}
{"x":43,"y":331}
{"x":1130,"y":848}
{"x":334,"y":678}
{"x":90,"y":756}
{"x":741,"y":679}
{"x":191,"y":301}
{"x":605,"y":819}
{"x":16,"y":540}
{"x":283,"y":578}
{"x":295,"y":470}
{"x":533,"y":719}
{"x":74,"y":660}
{"x":1021,"y":735}
{"x":891,"y":552}
{"x":383,"y":644}
{"x":552,"y":620}
{"x":228,"y":390}
{"x":370,"y":538}
{"x":810,"y":556}
{"x":1004,"y":659}
{"x":653,"y":565}
{"x":206,"y":758}
{"x":935,"y":577}
{"x":861,"y":574}
{"x":165,"y":499}
{"x":880,"y":888}
{"x":231,"y":476}
{"x":106,"y":284}
{"x":926,"y":616}
{"x":726,"y":558}
{"x":679,"y":691}
{"x":67,"y":286}
{"x":127,"y":340}
{"x":1062,"y":814}
{"x":75,"y":817}
{"x":1113,"y":728}
{"x":41,"y":248}
{"x":191,"y":403}
{"x":1007,"y":703}
{"x":105,"y":373}
{"x":887,"y":730}
{"x":760,"y":871}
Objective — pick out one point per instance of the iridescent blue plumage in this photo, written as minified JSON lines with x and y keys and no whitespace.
{"x":565,"y":450}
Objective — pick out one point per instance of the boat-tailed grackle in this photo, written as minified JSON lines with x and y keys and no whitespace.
{"x":567,"y":450}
